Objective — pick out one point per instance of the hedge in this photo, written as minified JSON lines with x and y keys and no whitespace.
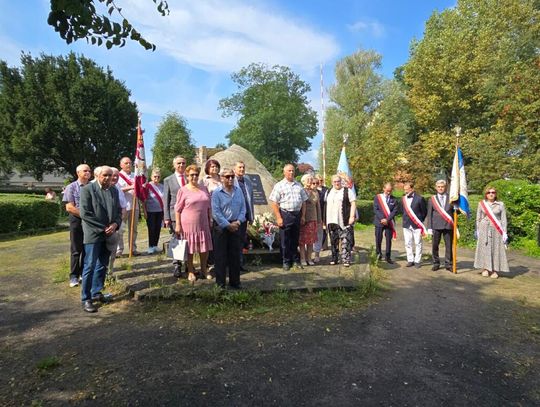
{"x":26,"y":212}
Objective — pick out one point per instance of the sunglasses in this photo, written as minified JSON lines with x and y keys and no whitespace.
{"x":491,"y":192}
{"x":228,"y":176}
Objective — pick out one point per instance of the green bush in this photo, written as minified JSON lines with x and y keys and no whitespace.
{"x":26,"y":212}
{"x":365,"y":211}
{"x":522,"y":201}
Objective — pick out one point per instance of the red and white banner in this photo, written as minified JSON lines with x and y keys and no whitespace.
{"x":140,"y":165}
{"x":386,"y":210}
{"x":491,"y":216}
{"x":412,"y":216}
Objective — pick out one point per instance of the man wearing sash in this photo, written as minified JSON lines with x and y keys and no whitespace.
{"x":126,"y":182}
{"x":385,"y":208}
{"x":439,"y":223}
{"x":171,"y":185}
{"x":414,"y":213}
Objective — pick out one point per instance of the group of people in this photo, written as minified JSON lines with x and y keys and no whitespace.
{"x":212,"y":214}
{"x":435,"y":218}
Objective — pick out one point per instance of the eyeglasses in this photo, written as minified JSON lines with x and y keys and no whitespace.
{"x":228,"y":176}
{"x":491,"y":192}
{"x":182,"y":163}
{"x":193,"y":175}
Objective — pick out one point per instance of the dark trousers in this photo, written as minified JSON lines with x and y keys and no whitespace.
{"x":76,"y":247}
{"x":227,"y":256}
{"x":289,"y":234}
{"x":387,"y":232}
{"x":447,"y":235}
{"x":154,"y":221}
{"x":244,"y":244}
{"x":95,"y":268}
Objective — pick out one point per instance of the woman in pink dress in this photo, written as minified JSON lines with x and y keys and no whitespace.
{"x":193,"y":213}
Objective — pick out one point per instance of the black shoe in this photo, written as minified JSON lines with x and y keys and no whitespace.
{"x":88,"y":306}
{"x":177,"y":271}
{"x":286,"y":267}
{"x":435,"y":267}
{"x":417,"y":265}
{"x":235,"y":287}
{"x":104,"y":299}
{"x":410,"y":264}
{"x":449,"y":268}
{"x":242,"y":268}
{"x":389,"y":260}
{"x":379,"y":257}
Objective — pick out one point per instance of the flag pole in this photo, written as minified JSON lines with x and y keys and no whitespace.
{"x":134,"y":201}
{"x":454,"y":236}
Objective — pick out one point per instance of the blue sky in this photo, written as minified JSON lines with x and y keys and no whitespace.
{"x":202,"y":42}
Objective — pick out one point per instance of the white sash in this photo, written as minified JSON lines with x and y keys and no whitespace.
{"x":413,"y":216}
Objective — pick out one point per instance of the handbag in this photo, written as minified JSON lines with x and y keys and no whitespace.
{"x":178,"y":249}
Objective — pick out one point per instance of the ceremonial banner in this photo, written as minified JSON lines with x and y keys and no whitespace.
{"x":344,"y":172}
{"x":458,"y":184}
{"x":140,"y":165}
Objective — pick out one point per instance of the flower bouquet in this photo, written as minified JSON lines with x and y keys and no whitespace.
{"x":266,"y":228}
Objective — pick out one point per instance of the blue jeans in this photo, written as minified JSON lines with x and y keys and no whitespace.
{"x":96,"y":258}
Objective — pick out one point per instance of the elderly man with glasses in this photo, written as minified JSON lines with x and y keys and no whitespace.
{"x":101,"y":216}
{"x":229,"y":212}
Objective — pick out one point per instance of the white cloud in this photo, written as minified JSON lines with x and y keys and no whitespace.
{"x":219,"y":35}
{"x":372,"y":27}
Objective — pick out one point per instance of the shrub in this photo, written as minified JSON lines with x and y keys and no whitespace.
{"x":522,"y":201}
{"x":26,"y":212}
{"x":365,"y":211}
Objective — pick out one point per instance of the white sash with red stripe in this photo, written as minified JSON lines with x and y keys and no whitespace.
{"x":491,"y":216}
{"x":386,"y":210}
{"x":157,"y":193}
{"x":126,"y":179}
{"x":412,"y":215}
{"x":441,"y":211}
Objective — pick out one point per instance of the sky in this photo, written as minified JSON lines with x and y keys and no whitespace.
{"x":202,"y":42}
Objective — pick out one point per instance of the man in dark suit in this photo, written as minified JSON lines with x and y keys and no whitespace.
{"x":244,"y":183}
{"x":385,"y":208}
{"x":171,"y":185}
{"x":439,"y":223}
{"x":414,"y":213}
{"x":101,"y":216}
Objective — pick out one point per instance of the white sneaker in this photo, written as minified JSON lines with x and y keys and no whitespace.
{"x":151,"y":250}
{"x":74,"y":282}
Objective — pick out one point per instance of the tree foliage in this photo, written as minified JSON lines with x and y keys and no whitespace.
{"x":58,"y":112}
{"x":77,"y":19}
{"x":275,"y":122}
{"x":478,"y":67}
{"x":374,"y":113}
{"x":172,"y":138}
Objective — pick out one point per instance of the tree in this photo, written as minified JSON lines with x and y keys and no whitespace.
{"x":76,"y":19}
{"x":477,"y":67}
{"x":172,"y":138}
{"x":58,"y":112}
{"x":275,"y":122}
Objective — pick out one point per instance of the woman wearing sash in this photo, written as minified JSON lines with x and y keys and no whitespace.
{"x":491,"y":230}
{"x":153,"y":210}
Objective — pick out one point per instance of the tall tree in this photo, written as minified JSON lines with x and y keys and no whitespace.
{"x":477,"y":67}
{"x":62,"y":111}
{"x":172,"y":138}
{"x":275,"y":122}
{"x":78,"y":19}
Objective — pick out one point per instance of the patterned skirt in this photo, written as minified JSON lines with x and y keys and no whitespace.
{"x":308,"y":233}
